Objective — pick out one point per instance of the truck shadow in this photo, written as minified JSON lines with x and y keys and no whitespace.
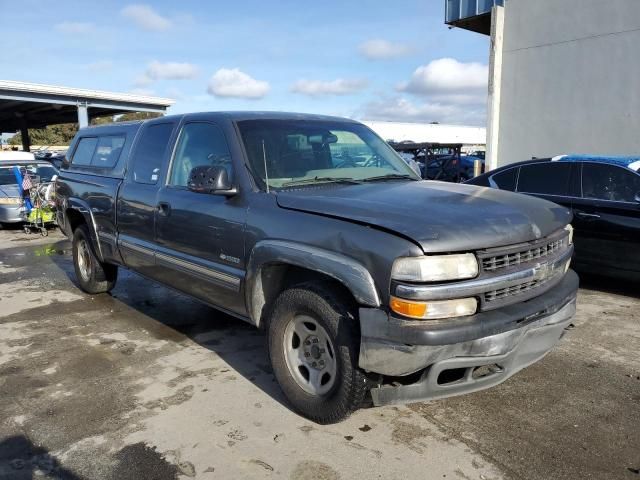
{"x":173,"y":316}
{"x":20,"y":459}
{"x":176,"y":316}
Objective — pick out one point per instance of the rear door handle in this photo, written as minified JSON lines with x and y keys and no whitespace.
{"x":587,"y":216}
{"x":164,"y":209}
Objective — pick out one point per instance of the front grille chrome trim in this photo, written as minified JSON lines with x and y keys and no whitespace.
{"x":542,"y":273}
{"x":495,"y":260}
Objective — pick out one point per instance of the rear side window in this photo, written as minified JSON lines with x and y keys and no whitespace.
{"x":545,"y":178}
{"x":99,"y":152}
{"x":108,"y":151}
{"x":506,"y":180}
{"x":149,"y":153}
{"x":84,"y":151}
{"x":609,"y":182}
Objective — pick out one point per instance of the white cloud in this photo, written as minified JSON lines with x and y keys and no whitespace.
{"x":145,"y":17}
{"x":74,"y":27}
{"x":171,"y":70}
{"x":378,"y":49}
{"x":339,"y":86}
{"x":166,"y":71}
{"x":400,"y":109}
{"x":100,"y":66}
{"x":143,"y":80}
{"x":231,"y":82}
{"x":447,"y":76}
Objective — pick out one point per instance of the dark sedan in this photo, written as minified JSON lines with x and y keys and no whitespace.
{"x":602,"y":192}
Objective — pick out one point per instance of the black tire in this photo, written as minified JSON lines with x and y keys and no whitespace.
{"x":336,"y":317}
{"x":98,"y":277}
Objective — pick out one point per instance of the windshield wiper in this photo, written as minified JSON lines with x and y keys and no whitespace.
{"x":306,"y":181}
{"x":390,"y":176}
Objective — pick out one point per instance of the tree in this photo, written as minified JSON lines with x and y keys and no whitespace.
{"x":63,"y":133}
{"x":60,"y":134}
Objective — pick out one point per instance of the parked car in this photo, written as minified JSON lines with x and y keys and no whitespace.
{"x":55,"y":157}
{"x":602,"y":192}
{"x":367,"y":280}
{"x":12,"y":209}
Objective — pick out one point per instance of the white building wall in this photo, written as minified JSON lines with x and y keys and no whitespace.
{"x":570,"y":78}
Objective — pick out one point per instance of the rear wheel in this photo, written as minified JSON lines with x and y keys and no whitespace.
{"x":93,"y":275}
{"x":313,"y":346}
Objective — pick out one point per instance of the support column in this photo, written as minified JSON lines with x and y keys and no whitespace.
{"x":495,"y":82}
{"x":83,"y":115}
{"x":24,"y":134}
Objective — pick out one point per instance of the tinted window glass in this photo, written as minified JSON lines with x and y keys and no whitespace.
{"x":608,"y":182}
{"x":84,"y":151}
{"x":303,"y":152}
{"x":149,"y":153}
{"x":544,"y":178}
{"x":200,"y":144}
{"x":7,"y":176}
{"x":506,"y":180}
{"x":108,"y":151}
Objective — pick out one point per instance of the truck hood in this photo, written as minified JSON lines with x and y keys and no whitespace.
{"x":11,"y":191}
{"x":438,"y":216}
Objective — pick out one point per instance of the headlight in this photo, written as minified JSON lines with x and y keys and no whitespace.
{"x":435,"y":268}
{"x":10,"y":201}
{"x":569,"y":228}
{"x":435,"y":309}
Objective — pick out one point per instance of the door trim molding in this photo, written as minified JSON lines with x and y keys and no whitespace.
{"x":226,"y":280}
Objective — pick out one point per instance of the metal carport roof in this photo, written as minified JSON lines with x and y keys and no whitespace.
{"x":32,"y":105}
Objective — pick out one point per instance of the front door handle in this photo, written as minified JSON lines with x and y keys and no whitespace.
{"x":587,"y":216}
{"x":164,"y":209}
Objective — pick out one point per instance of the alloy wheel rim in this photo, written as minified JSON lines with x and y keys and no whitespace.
{"x":84,"y":260}
{"x":310,"y":355}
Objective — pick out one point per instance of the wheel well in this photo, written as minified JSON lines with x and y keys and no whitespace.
{"x":73,"y":219}
{"x":275,"y":278}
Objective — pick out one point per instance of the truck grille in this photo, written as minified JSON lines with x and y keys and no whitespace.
{"x":501,"y":293}
{"x":497,"y":262}
{"x":508,"y":275}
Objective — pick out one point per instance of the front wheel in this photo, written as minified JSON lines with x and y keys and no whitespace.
{"x":93,"y":275}
{"x":313,"y":346}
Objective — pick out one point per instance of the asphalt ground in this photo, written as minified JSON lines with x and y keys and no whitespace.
{"x":145,"y":383}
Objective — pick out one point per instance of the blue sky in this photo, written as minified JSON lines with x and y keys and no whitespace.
{"x":367,"y":59}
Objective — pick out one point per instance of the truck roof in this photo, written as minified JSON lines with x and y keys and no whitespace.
{"x":235,"y":116}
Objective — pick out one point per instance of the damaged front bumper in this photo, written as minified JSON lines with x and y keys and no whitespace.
{"x":427,"y":360}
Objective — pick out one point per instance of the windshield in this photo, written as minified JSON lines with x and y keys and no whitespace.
{"x":307,"y":152}
{"x":38,"y":171}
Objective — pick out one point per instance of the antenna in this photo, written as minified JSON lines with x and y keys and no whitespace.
{"x":264,"y":158}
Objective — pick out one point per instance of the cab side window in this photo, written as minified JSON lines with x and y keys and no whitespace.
{"x":200,"y":144}
{"x":108,"y":151}
{"x":84,"y":151}
{"x":609,"y":182}
{"x":149,"y":153}
{"x":548,"y":178}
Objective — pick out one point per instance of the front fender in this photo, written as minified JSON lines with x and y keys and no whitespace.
{"x":353,"y":275}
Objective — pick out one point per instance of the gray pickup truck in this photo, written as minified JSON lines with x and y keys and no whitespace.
{"x":372,"y":285}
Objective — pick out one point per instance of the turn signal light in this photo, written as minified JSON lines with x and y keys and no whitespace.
{"x":458,"y":307}
{"x":407,"y":308}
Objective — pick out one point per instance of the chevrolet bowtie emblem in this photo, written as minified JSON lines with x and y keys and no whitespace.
{"x":542,"y":271}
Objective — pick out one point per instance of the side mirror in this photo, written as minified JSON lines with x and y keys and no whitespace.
{"x":212,"y":180}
